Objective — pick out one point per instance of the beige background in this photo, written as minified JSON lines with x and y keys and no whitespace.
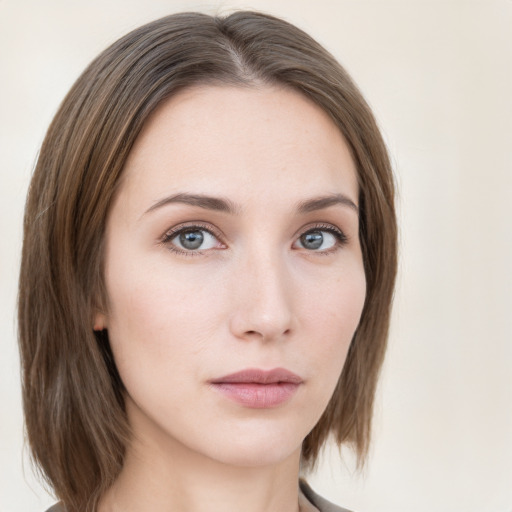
{"x":439,"y":76}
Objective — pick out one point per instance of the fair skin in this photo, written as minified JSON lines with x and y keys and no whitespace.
{"x":232,"y":244}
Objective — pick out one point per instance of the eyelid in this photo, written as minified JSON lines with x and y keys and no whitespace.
{"x":321,"y":226}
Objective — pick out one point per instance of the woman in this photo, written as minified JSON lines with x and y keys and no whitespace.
{"x":207,"y":271}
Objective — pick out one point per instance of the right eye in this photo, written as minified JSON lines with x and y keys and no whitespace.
{"x":192,"y":239}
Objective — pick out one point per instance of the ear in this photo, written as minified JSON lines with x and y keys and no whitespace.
{"x":100,"y":322}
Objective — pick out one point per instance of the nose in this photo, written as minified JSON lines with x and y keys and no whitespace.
{"x":262,"y":300}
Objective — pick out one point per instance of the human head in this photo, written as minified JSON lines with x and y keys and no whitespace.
{"x":72,"y":393}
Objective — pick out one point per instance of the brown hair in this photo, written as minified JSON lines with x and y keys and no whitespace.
{"x":73,"y":396}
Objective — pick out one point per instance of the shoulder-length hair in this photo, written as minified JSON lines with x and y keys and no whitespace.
{"x":73,"y":396}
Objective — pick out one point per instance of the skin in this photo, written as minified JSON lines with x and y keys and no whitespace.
{"x":255,"y":294}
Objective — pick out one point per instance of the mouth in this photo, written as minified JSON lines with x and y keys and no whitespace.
{"x":258,"y":389}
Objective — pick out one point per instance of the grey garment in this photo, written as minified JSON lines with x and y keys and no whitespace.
{"x":56,"y":508}
{"x":320,"y":503}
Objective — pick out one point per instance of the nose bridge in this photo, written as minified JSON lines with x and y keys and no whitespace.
{"x":263,"y":303}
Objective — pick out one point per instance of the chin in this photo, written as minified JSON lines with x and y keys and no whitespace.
{"x":255,"y":454}
{"x":256,"y":443}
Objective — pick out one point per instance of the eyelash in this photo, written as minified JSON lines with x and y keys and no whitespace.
{"x":341,"y":238}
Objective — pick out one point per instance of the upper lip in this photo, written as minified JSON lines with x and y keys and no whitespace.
{"x":257,"y":376}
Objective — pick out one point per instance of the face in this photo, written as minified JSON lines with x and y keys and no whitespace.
{"x":234,"y":273}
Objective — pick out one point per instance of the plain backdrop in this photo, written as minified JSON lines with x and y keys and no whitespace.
{"x":439,"y":77}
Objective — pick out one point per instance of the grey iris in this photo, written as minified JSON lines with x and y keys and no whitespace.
{"x":312,"y":240}
{"x":191,"y":239}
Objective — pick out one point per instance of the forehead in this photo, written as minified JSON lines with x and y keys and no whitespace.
{"x":240,"y":141}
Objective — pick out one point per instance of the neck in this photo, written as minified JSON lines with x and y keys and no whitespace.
{"x":163,"y":475}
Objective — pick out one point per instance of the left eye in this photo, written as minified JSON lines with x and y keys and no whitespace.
{"x":317,"y":240}
{"x":194,"y":239}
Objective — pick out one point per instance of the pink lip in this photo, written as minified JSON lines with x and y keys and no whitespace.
{"x":258,"y":389}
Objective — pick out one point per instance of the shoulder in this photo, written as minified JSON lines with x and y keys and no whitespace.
{"x":56,"y":508}
{"x":320,"y":503}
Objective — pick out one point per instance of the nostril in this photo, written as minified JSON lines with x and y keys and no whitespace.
{"x":265,"y":335}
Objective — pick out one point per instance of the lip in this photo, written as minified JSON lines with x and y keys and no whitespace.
{"x":258,"y":389}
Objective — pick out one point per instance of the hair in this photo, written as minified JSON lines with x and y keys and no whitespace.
{"x":73,"y":396}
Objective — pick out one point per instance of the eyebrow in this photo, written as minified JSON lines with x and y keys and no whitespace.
{"x":202,"y":201}
{"x":226,"y":206}
{"x":319,"y":203}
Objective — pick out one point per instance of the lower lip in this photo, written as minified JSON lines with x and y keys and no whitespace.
{"x":257,"y":396}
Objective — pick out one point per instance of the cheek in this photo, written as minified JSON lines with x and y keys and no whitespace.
{"x":334,"y":314}
{"x":155,"y":317}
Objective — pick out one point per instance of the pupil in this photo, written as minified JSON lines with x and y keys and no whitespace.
{"x":191,"y":239}
{"x":312,"y":240}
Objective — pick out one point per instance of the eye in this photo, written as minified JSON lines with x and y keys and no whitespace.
{"x":321,"y":239}
{"x":191,"y":239}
